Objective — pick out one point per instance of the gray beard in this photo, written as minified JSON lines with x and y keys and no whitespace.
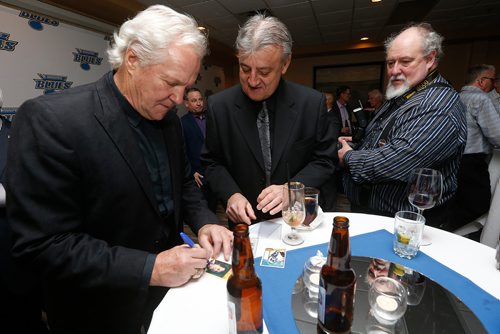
{"x":392,"y":92}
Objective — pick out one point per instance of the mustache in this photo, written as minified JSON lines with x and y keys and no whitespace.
{"x":398,"y":77}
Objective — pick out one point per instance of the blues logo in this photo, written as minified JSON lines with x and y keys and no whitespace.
{"x":51,"y":83}
{"x":86,"y":58}
{"x":5,"y":44}
{"x":36,"y":21}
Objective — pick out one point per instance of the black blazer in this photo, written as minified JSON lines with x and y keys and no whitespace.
{"x":302,"y":139}
{"x":82,"y":207}
{"x":336,"y":114}
{"x":194,"y":140}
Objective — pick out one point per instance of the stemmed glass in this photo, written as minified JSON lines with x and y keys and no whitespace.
{"x":293,"y":211}
{"x":425,"y":189}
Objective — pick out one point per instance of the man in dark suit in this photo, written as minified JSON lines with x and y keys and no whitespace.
{"x":194,"y":130}
{"x":98,"y":183}
{"x":265,"y":128}
{"x":342,"y":110}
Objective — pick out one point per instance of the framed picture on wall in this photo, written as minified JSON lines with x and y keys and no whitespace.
{"x":362,"y":78}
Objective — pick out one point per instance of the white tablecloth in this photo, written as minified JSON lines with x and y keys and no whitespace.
{"x":201,"y":306}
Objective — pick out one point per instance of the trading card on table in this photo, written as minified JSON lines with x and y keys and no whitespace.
{"x":274,"y":257}
{"x":219,"y":269}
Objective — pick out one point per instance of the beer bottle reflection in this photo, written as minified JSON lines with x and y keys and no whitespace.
{"x":244,"y":289}
{"x":337,"y":283}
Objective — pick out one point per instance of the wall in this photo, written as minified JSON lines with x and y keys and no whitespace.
{"x":42,"y":55}
{"x":458,"y":57}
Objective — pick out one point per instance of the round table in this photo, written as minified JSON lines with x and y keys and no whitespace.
{"x":200,"y":306}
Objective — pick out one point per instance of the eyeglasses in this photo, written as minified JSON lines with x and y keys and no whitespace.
{"x":492,"y":79}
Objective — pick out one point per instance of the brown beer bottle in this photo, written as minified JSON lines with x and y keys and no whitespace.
{"x":337,"y":283}
{"x":244,"y":289}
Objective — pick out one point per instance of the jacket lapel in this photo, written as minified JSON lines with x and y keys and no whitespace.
{"x":284,"y":120}
{"x":246,"y":122}
{"x":196,"y":127}
{"x":115,"y":123}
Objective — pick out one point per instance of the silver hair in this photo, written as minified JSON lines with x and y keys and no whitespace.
{"x":376,"y":92}
{"x":432,"y":41}
{"x":476,"y":71}
{"x":261,"y":31}
{"x":151,"y":32}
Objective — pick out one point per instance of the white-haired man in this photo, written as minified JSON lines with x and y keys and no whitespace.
{"x":421,"y":125}
{"x":99,"y":184}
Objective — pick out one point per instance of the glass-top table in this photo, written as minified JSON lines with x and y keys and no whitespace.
{"x":431,"y":308}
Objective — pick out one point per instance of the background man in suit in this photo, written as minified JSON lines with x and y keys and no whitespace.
{"x":264,"y":127}
{"x":194,"y":131}
{"x":342,"y":110}
{"x":473,"y":195}
{"x":98,"y":183}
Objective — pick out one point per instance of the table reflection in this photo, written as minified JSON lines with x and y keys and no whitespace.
{"x":431,"y":308}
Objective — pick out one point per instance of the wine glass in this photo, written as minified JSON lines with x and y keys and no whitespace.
{"x":425,"y":190}
{"x":293,"y":211}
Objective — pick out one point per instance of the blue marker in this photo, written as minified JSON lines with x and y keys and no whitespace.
{"x":187,"y":240}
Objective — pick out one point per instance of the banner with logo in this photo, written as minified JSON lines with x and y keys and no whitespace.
{"x":40,"y":55}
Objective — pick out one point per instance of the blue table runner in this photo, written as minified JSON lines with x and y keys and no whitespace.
{"x":278,"y":283}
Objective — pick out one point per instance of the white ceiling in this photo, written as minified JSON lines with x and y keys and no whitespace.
{"x":317,"y":26}
{"x":320,"y":22}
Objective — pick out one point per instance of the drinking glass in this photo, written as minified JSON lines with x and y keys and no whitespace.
{"x":311,"y":197}
{"x":388,"y":299}
{"x":293,"y":211}
{"x":425,"y":189}
{"x":408,"y":230}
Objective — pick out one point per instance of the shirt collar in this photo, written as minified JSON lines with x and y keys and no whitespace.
{"x":201,"y":115}
{"x":133,"y":116}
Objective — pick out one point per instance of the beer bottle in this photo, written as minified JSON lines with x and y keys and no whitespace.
{"x":337,"y":283}
{"x":244,"y":289}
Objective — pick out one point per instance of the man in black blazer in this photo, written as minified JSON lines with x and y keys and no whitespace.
{"x":194,"y":130}
{"x":300,"y":144}
{"x":98,"y":183}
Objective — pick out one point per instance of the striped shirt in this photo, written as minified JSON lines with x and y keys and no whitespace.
{"x":483,"y":121}
{"x":429,"y":132}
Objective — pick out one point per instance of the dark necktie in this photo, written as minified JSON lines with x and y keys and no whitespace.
{"x":265,"y":140}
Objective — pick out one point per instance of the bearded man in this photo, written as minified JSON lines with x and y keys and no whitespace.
{"x":421,"y":125}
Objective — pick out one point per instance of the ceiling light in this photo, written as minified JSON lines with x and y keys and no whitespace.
{"x":374,"y":1}
{"x":200,"y":28}
{"x":364,"y":38}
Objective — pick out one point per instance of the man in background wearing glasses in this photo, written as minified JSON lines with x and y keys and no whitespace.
{"x":495,"y":93}
{"x":483,"y":132}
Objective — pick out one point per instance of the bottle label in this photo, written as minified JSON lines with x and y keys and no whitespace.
{"x":321,"y":304}
{"x":231,"y":310}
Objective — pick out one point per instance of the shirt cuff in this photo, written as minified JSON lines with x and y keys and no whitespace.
{"x":346,"y":158}
{"x":148,"y":270}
